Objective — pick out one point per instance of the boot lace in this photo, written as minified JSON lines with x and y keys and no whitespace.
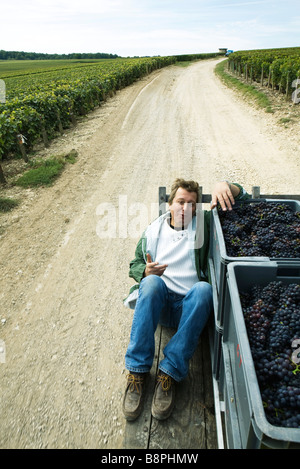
{"x":135,"y":383}
{"x":165,"y":381}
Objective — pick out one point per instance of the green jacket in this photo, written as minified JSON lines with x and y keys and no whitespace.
{"x":198,"y":235}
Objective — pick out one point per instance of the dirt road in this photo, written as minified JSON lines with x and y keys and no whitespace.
{"x":64,"y":259}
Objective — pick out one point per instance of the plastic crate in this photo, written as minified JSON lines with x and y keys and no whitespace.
{"x":218,"y":253}
{"x":217,"y":329}
{"x":254,"y":429}
{"x":227,"y":395}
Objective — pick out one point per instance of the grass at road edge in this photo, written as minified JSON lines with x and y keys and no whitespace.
{"x":7,"y":204}
{"x":245,"y":89}
{"x":44,"y":173}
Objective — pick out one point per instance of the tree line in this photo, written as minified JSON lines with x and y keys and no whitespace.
{"x":16,"y":55}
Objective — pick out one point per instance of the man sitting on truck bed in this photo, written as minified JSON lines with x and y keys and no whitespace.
{"x":173,"y":289}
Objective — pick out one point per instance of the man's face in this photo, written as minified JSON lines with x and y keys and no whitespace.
{"x":183,"y":208}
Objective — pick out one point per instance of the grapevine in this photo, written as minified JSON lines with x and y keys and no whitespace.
{"x":271,"y":316}
{"x":276,"y":68}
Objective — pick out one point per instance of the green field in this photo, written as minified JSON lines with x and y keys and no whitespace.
{"x":14,"y":68}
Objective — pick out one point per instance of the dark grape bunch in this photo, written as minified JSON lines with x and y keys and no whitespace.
{"x":272,"y":318}
{"x":269,"y":229}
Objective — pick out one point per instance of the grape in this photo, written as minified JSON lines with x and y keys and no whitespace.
{"x":272,"y":319}
{"x":269,"y":229}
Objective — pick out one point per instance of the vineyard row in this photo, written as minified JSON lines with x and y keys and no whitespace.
{"x":40,"y":105}
{"x":276,"y":68}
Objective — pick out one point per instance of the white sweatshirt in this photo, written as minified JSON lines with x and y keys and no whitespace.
{"x":173,"y":250}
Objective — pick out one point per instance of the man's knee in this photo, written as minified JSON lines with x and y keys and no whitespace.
{"x":202,"y":291}
{"x":152,"y":284}
{"x":204,"y":288}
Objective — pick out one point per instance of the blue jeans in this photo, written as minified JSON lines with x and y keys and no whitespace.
{"x":157,"y":304}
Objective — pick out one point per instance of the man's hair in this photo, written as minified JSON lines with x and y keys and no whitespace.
{"x":190,"y":186}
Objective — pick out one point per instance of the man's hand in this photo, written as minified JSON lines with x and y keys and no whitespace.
{"x":223,"y":193}
{"x":153,"y":268}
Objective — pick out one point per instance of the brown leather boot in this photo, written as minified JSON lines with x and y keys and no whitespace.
{"x":134,"y":395}
{"x":164,"y":397}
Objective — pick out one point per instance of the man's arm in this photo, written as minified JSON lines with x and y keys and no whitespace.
{"x":137,"y":265}
{"x":154,"y":268}
{"x":140,"y":269}
{"x":224,"y":193}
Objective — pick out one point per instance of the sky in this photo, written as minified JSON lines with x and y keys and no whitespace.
{"x":148,"y":27}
